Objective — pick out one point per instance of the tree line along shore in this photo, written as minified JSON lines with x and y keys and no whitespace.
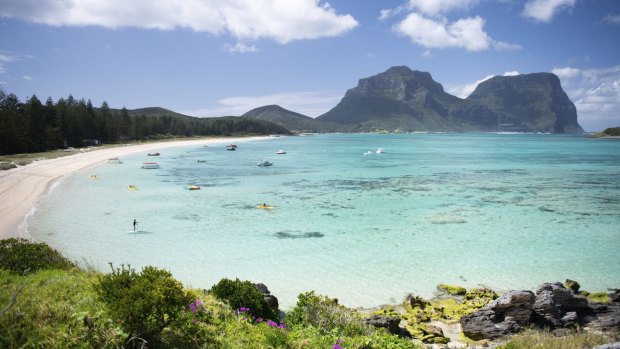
{"x":33,"y":126}
{"x":51,"y":302}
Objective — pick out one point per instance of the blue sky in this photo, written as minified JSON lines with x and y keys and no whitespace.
{"x":225,"y":57}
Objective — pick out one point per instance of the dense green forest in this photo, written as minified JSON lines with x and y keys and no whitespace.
{"x":33,"y":126}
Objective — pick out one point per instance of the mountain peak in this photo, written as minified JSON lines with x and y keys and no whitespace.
{"x":406,"y":99}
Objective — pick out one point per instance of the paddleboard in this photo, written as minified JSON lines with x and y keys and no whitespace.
{"x":139,"y":231}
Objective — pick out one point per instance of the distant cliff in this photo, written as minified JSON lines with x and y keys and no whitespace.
{"x":410,"y":100}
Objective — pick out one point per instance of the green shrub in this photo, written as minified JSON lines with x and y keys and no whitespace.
{"x":144,"y":303}
{"x":327,"y":316}
{"x":22,"y":256}
{"x":243,"y":294}
{"x":56,"y":309}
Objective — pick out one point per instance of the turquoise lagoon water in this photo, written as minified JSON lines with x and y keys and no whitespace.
{"x":503,"y":211}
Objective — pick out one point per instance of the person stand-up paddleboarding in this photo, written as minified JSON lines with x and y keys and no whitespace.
{"x":135,"y":224}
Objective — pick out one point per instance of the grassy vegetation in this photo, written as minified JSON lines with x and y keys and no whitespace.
{"x":66,"y":307}
{"x":54,"y":304}
{"x":536,"y":339}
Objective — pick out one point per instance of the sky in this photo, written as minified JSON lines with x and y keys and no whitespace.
{"x":226,"y":57}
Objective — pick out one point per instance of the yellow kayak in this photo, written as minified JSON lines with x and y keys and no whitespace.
{"x":132,"y":188}
{"x":265,"y":207}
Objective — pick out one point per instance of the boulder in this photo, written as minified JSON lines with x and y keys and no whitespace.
{"x":387,"y":322}
{"x":604,"y":317}
{"x":553,"y":302}
{"x":505,"y":315}
{"x":615,"y":296}
{"x":572,"y":285}
{"x":271,"y":300}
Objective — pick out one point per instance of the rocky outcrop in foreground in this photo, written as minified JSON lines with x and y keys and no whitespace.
{"x":553,"y":306}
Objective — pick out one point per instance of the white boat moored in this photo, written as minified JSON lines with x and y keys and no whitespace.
{"x":150,"y":165}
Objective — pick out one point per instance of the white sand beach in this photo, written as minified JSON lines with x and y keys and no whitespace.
{"x":20,"y":188}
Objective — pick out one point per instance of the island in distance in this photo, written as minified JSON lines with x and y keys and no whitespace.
{"x":405,"y":100}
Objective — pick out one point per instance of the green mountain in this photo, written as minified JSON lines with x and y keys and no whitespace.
{"x":532,"y":102}
{"x":290,"y":120}
{"x":409,"y":100}
{"x":154,"y":111}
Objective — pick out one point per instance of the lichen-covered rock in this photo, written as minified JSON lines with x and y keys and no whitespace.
{"x":572,"y":285}
{"x":599,"y":297}
{"x":389,"y":323}
{"x":452,"y":289}
{"x":505,"y":315}
{"x":481,"y":293}
{"x":416,"y":301}
{"x":428,"y":333}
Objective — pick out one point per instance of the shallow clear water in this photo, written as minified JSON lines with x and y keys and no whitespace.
{"x":504,"y":211}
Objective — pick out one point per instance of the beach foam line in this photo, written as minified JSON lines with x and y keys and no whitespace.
{"x":22,"y":187}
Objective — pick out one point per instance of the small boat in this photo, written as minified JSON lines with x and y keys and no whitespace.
{"x":231,"y":147}
{"x":193,"y":187}
{"x":150,"y":165}
{"x":132,"y":187}
{"x":154,"y":154}
{"x":114,"y":161}
{"x":367,"y":153}
{"x":280,"y":152}
{"x":202,"y":161}
{"x":264,"y":207}
{"x":380,"y":151}
{"x":264,"y":163}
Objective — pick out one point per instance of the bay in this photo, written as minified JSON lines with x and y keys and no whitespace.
{"x":506,"y":211}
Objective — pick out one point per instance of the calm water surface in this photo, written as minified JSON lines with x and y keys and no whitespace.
{"x":503,"y":211}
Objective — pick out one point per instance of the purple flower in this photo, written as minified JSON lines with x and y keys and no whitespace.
{"x":198,"y":301}
{"x":260,"y":319}
{"x":243,"y":310}
{"x":271,"y":323}
{"x":337,"y":346}
{"x":194,"y":320}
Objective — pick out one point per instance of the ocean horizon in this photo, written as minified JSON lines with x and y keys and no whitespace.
{"x":505,"y":211}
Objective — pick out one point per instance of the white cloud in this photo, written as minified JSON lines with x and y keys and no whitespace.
{"x":566,"y":72}
{"x":308,"y":103}
{"x":545,"y":10}
{"x":467,"y":33}
{"x":280,"y":20}
{"x":240,"y":47}
{"x":596,"y":94}
{"x":505,"y":46}
{"x":612,"y":19}
{"x":6,"y":57}
{"x":26,"y":77}
{"x":465,"y":90}
{"x":435,"y":7}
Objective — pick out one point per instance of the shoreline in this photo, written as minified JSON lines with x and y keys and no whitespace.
{"x":22,"y":187}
